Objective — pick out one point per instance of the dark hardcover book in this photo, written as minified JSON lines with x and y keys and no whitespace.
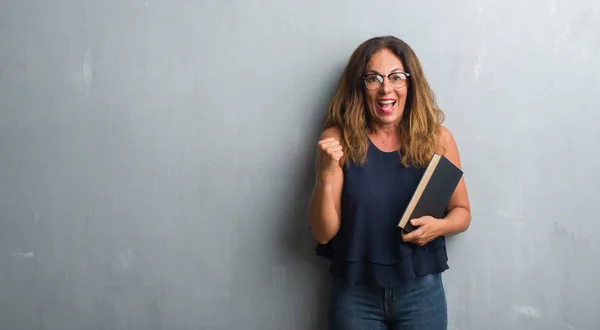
{"x":433,"y":192}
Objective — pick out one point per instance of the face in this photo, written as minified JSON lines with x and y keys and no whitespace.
{"x":386,"y":103}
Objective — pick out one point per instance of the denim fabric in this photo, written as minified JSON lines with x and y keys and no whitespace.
{"x":419,"y":304}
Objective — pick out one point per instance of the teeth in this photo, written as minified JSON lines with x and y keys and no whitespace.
{"x":387,"y":102}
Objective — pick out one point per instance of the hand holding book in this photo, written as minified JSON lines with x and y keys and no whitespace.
{"x":431,"y":197}
{"x":427,"y":229}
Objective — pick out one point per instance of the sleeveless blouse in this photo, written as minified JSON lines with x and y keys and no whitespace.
{"x":368,"y":247}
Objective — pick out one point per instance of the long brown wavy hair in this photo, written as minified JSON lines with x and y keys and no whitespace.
{"x":419,"y":127}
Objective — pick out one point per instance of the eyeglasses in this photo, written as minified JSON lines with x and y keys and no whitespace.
{"x":397,"y":80}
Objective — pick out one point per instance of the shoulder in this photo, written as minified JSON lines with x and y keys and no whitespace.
{"x":447,"y":145}
{"x":332,"y":132}
{"x":445,"y":137}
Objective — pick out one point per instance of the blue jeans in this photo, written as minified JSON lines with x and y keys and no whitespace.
{"x":416,"y":305}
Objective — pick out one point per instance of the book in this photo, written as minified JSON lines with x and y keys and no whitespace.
{"x":433,"y":192}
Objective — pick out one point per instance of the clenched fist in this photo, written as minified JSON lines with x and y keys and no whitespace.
{"x":328,"y":157}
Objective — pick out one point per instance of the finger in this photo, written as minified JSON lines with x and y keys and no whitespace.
{"x":334,"y":148}
{"x":328,"y":141}
{"x":331,"y":144}
{"x":325,"y":140}
{"x":338,"y":155}
{"x":407,"y":239}
{"x":413,"y":236}
{"x":419,"y":221}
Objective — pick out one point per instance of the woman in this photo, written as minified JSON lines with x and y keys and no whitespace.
{"x":382,"y":128}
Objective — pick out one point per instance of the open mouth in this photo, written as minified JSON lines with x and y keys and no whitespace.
{"x":386,"y":105}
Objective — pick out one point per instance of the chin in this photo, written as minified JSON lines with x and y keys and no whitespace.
{"x":387,"y":117}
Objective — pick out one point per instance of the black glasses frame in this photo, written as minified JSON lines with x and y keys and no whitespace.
{"x":383,"y":76}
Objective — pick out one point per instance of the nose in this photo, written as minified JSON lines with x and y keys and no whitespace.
{"x":385,"y":86}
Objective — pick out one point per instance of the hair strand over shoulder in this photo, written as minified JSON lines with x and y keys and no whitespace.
{"x":420,"y":125}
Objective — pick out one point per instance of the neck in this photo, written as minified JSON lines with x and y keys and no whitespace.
{"x":385,"y":136}
{"x":384,"y":130}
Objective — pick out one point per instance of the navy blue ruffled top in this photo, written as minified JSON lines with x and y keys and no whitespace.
{"x":368,"y":247}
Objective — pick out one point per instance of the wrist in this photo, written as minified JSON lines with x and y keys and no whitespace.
{"x":325,"y":177}
{"x":444,"y":226}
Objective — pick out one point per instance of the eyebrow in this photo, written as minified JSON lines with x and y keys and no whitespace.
{"x":373,"y":71}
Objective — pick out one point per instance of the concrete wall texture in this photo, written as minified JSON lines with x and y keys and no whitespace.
{"x":156,"y":158}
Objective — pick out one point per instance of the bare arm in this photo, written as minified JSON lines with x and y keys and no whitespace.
{"x":458,"y":218}
{"x":324,"y":206}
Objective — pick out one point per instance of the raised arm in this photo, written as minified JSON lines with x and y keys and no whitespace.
{"x":324,"y":208}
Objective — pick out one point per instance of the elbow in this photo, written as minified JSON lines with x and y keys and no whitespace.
{"x":323,"y":240}
{"x":467,"y":217}
{"x":457,"y":221}
{"x":320,"y":237}
{"x":466,"y":221}
{"x":323,"y":227}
